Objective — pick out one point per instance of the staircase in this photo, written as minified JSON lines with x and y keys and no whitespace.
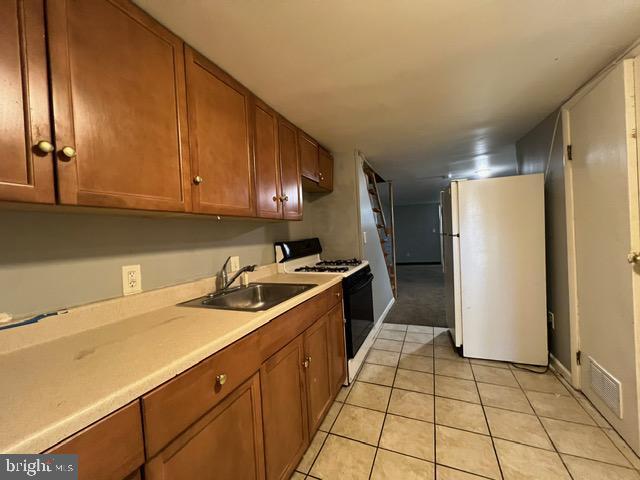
{"x":384,"y":225}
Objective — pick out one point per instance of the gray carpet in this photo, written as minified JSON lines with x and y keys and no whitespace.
{"x":420,"y":296}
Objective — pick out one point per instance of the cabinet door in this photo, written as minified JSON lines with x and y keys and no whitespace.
{"x":26,"y":172}
{"x":308,"y":156}
{"x":225,"y":443}
{"x":286,"y":434}
{"x":268,"y":190}
{"x":220,"y":138}
{"x":290,"y":168}
{"x":119,"y":107}
{"x":316,"y":347}
{"x":325,"y":164}
{"x":337,"y":352}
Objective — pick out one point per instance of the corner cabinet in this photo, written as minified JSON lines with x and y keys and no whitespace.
{"x":220,"y":133}
{"x":26,"y":168}
{"x":119,"y":107}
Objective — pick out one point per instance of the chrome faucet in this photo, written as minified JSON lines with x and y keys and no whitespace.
{"x":226,"y":281}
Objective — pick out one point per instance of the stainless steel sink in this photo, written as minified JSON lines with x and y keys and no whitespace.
{"x":252,"y":298}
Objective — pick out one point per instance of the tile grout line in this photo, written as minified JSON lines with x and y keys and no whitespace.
{"x":484,"y":413}
{"x":384,"y":420}
{"x":544,"y":428}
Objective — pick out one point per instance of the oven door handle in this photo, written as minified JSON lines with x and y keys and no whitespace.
{"x":359,"y":286}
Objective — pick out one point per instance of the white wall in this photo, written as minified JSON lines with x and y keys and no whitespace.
{"x":417,"y":233}
{"x":538,"y":151}
{"x":372,"y":250}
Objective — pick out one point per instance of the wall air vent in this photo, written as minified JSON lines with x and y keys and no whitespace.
{"x":606,"y":386}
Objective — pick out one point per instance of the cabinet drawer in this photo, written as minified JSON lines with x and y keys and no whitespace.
{"x":111,"y":448}
{"x":173,"y":407}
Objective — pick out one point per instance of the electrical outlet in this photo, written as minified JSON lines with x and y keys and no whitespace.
{"x":131,"y":279}
{"x":234,"y":264}
{"x":551,"y":318}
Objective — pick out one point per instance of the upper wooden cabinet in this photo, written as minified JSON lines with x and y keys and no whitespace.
{"x":141,"y":121}
{"x":325,"y":167}
{"x":26,"y":171}
{"x":308,"y":156}
{"x":220,"y":133}
{"x":290,"y":170}
{"x":267,"y":155}
{"x":316,"y":165}
{"x":119,"y":107}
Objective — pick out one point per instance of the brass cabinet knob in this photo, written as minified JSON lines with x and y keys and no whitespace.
{"x":198,"y":179}
{"x":68,"y":153}
{"x":633,"y":257}
{"x":221,"y":379}
{"x":337,"y":295}
{"x":45,"y":147}
{"x":275,"y":199}
{"x":284,"y":198}
{"x":305,"y":364}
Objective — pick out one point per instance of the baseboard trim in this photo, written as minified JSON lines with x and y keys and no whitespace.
{"x":559,"y":368}
{"x":386,"y":311}
{"x":418,"y":263}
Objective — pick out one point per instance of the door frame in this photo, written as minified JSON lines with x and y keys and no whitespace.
{"x":633,"y":148}
{"x":574,"y":318}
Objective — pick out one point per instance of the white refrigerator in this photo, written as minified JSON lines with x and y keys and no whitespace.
{"x":494,"y":268}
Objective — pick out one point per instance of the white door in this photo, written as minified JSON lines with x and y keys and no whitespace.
{"x":605,"y":197}
{"x":502,"y":265}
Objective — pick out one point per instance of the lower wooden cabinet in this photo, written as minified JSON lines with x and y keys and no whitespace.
{"x":284,"y":406}
{"x":318,"y":366}
{"x":337,"y":348}
{"x":111,"y":449}
{"x":226,"y":443}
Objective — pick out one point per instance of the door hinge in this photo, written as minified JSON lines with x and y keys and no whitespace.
{"x":569,"y":152}
{"x":578,"y":357}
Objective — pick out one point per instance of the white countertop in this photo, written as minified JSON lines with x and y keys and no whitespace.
{"x":53,"y":389}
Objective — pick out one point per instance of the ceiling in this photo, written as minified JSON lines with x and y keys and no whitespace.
{"x":423,"y":88}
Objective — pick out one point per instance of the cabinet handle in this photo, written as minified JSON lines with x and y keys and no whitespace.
{"x":221,"y":379}
{"x":45,"y":147}
{"x":198,"y":179}
{"x":305,"y":364}
{"x":68,"y":153}
{"x":275,"y":199}
{"x":284,"y":198}
{"x":337,"y":295}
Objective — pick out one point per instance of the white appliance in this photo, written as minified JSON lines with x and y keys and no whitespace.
{"x":494,"y":268}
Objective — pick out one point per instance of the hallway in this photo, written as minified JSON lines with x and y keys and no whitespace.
{"x":419,"y":411}
{"x":420,"y":296}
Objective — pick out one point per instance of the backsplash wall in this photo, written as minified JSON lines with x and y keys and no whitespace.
{"x":52,"y":260}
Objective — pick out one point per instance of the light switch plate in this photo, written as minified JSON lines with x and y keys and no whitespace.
{"x":234,"y":264}
{"x":131,"y":279}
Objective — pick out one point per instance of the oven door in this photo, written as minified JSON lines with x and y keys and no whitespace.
{"x":358,"y":309}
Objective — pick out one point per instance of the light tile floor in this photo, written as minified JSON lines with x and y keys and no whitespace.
{"x":419,"y":411}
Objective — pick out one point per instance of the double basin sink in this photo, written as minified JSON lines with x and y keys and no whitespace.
{"x":252,"y":298}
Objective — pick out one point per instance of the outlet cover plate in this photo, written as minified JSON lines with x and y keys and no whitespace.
{"x":131,"y":279}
